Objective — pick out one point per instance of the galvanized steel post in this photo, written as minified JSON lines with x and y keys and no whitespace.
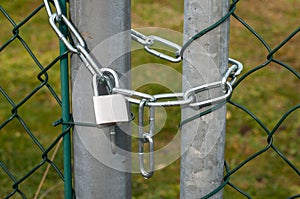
{"x":205,"y":60}
{"x":99,"y":21}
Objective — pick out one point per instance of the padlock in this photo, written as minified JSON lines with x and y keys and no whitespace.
{"x":110,"y":108}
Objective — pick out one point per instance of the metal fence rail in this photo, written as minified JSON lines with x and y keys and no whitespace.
{"x":15,"y":102}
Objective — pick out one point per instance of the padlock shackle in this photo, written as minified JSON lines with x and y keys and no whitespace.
{"x":97,"y":79}
{"x":114,"y":74}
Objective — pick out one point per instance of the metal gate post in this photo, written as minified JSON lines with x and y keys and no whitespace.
{"x":205,"y":60}
{"x":98,"y":21}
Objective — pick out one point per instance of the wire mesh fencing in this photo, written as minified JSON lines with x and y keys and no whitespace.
{"x":30,"y":149}
{"x":31,"y":159}
{"x":279,"y":111}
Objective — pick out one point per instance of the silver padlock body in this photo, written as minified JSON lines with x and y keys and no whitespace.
{"x":110,"y":109}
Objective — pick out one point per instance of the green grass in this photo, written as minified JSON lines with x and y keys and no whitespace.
{"x":269,"y":93}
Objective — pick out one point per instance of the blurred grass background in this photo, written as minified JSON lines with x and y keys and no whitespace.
{"x":269,"y":93}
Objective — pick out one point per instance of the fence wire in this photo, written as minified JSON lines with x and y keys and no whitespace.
{"x":17,"y":122}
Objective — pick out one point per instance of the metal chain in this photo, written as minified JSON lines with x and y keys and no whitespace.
{"x":110,"y":77}
{"x":187,"y":98}
{"x":149,"y":41}
{"x":180,"y":99}
{"x":79,"y":47}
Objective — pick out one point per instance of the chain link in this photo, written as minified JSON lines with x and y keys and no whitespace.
{"x":140,"y":38}
{"x":180,"y":100}
{"x":149,"y":41}
{"x":167,"y":43}
{"x":208,"y":87}
{"x":80,"y":47}
{"x":233,"y":72}
{"x":146,"y":138}
{"x":49,"y":10}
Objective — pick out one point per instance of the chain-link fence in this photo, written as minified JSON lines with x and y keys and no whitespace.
{"x":31,"y":159}
{"x":281,"y":74}
{"x":31,"y":163}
